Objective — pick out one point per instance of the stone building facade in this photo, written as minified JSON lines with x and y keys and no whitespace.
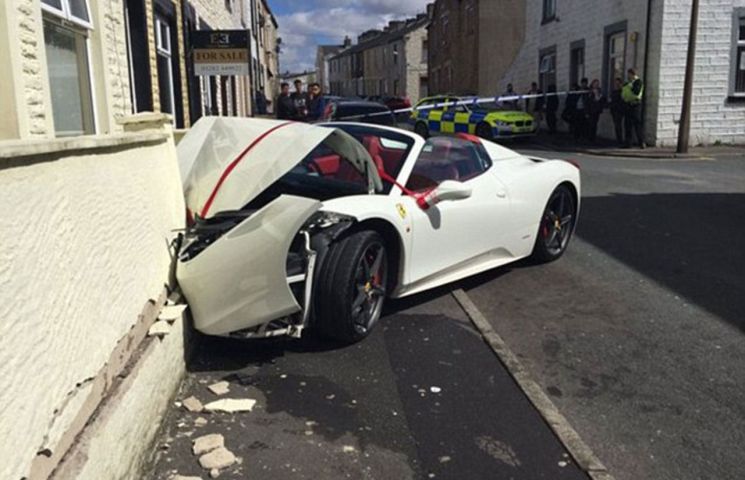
{"x":324,"y":53}
{"x":73,"y":67}
{"x":566,"y":41}
{"x":388,"y":62}
{"x":472,"y":43}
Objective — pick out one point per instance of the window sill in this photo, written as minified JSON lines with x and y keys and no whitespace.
{"x":736,"y":99}
{"x":548,"y":20}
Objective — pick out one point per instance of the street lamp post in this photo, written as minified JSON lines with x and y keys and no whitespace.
{"x":685,"y":112}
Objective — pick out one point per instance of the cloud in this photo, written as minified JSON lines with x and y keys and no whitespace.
{"x":328,"y":21}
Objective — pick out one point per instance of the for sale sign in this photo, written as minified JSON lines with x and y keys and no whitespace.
{"x":220,"y":52}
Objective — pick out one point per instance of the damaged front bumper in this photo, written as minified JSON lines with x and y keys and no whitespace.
{"x":250,"y":274}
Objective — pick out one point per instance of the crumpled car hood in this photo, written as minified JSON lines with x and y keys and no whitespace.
{"x":225,"y":162}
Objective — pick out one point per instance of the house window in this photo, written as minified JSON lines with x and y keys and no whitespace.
{"x":547,"y":68}
{"x":576,"y":63}
{"x":395,"y":87}
{"x":738,"y":51}
{"x":616,"y":58}
{"x":66,"y":28}
{"x":395,"y":54}
{"x":425,"y":50}
{"x":549,"y":10}
{"x":165,"y":65}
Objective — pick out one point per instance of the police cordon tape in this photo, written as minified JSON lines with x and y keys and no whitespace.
{"x":470,"y":101}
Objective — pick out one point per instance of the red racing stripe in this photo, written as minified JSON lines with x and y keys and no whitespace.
{"x":234,"y":163}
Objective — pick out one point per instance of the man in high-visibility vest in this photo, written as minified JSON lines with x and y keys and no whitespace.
{"x":631,"y":94}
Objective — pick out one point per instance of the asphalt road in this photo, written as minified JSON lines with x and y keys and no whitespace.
{"x":638,"y":332}
{"x":422,"y":397}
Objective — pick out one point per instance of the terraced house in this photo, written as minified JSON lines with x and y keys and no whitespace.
{"x":73,"y":66}
{"x":560,"y":41}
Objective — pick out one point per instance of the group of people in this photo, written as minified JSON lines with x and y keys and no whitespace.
{"x":302,"y":106}
{"x":585,"y":103}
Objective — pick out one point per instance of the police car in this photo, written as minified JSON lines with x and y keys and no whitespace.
{"x":489,"y":120}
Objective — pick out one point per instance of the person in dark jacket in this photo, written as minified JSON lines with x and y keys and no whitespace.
{"x":285,"y":107}
{"x":569,"y":114}
{"x":595,"y":104}
{"x":317,"y":102}
{"x":551,"y":107}
{"x":617,"y":109}
{"x":299,"y":102}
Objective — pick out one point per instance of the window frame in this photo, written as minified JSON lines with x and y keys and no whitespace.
{"x":542,"y":54}
{"x":737,"y":52}
{"x":609,"y":32}
{"x":159,"y":20}
{"x":66,"y":13}
{"x":574,"y":47}
{"x":549,"y":14}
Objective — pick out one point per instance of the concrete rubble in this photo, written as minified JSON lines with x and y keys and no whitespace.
{"x":193,"y":404}
{"x":219,"y":388}
{"x":219,"y":458}
{"x":207,"y":443}
{"x":170,"y":313}
{"x":230,"y":405}
{"x":159,"y":328}
{"x":200,"y":422}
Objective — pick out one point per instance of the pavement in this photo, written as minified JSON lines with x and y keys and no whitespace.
{"x":422,"y":397}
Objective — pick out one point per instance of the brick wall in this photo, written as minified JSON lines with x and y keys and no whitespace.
{"x":713,"y":117}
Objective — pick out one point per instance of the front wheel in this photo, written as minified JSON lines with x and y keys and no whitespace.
{"x":556,"y":227}
{"x":352,"y":287}
{"x":421,"y":129}
{"x":484,"y":131}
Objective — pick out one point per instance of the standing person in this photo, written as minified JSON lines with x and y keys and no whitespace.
{"x":581,"y":111}
{"x":617,"y":109}
{"x":510,"y":92}
{"x":299,"y":102}
{"x":569,"y":114}
{"x":631,"y":94}
{"x":595,"y":105}
{"x":317,"y":102}
{"x":260,"y":102}
{"x":285,"y":107}
{"x":552,"y":106}
{"x":534,"y":104}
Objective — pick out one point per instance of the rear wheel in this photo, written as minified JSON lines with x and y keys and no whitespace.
{"x":556,"y":227}
{"x":484,"y":131}
{"x":351,"y":287}
{"x":421,"y":129}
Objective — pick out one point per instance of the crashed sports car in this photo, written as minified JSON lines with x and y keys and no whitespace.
{"x":292,"y":225}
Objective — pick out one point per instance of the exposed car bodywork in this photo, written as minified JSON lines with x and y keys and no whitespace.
{"x":268,"y":200}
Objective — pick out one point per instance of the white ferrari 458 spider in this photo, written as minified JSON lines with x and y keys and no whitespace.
{"x":292,"y":225}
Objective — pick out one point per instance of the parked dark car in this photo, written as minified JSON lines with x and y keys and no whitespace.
{"x":397,"y":103}
{"x":359,"y":111}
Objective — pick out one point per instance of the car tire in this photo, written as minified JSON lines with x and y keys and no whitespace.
{"x":421,"y":129}
{"x":556,"y":226}
{"x":484,"y":131}
{"x":351,"y":287}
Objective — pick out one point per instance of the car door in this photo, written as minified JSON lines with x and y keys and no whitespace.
{"x":454,"y":234}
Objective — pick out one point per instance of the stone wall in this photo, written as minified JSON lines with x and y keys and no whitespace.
{"x":86,"y":233}
{"x":714,"y":118}
{"x":415,"y":63}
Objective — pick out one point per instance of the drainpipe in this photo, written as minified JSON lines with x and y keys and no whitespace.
{"x":685,"y":111}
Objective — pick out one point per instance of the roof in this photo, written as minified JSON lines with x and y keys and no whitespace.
{"x":387,"y":37}
{"x":327,"y":49}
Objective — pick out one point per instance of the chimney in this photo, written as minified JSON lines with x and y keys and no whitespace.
{"x":395,"y":25}
{"x":347,"y":42}
{"x":430,"y":9}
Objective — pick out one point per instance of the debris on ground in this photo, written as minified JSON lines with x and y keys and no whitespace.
{"x":200,"y":422}
{"x":435,"y":389}
{"x":214,"y":473}
{"x":193,"y":404}
{"x":219,"y":458}
{"x":159,"y":328}
{"x":219,"y":388}
{"x":207,"y":443}
{"x":230,"y":405}
{"x":183,"y":477}
{"x":348,"y":449}
{"x":170,"y":313}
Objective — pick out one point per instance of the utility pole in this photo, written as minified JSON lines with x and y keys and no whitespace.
{"x":685,"y":112}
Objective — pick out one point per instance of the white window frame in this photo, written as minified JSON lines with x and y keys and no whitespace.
{"x":66,"y":13}
{"x":737,"y":44}
{"x":166,"y":52}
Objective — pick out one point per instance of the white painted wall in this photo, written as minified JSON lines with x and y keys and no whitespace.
{"x":84,"y":246}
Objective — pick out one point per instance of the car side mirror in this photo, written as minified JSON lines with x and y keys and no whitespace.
{"x":447,"y":190}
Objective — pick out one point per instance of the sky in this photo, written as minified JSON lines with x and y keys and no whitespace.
{"x":304,"y":24}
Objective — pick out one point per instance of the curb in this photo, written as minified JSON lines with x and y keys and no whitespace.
{"x":569,"y":438}
{"x":648,"y":154}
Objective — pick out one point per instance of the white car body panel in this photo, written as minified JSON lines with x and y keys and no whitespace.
{"x":240,"y":280}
